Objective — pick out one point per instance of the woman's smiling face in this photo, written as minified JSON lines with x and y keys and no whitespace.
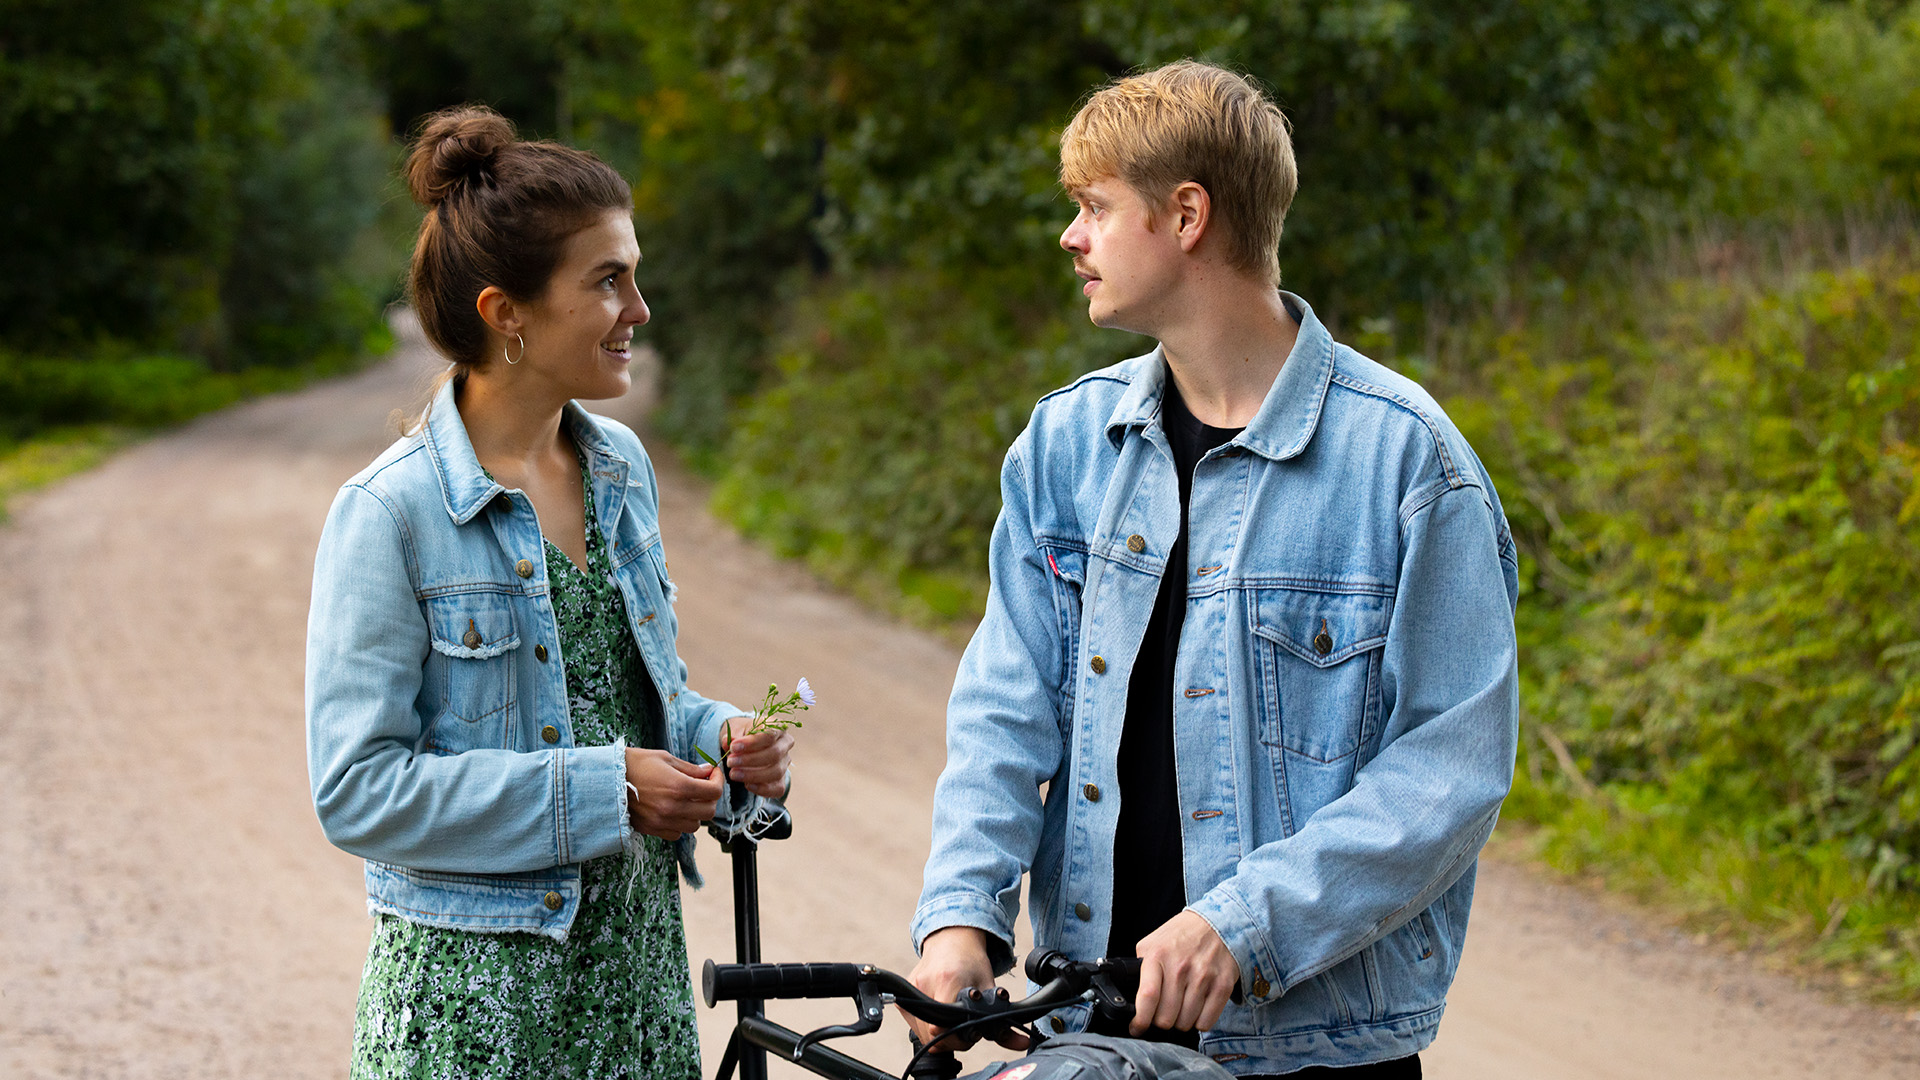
{"x":579,"y":335}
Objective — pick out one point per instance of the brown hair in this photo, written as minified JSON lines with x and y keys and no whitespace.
{"x":499,"y":212}
{"x":1191,"y":121}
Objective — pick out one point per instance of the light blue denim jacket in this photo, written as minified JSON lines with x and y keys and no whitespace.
{"x":439,"y":744}
{"x":1345,"y":705}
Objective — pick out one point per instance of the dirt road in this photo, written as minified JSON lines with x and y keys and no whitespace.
{"x":173,"y":911}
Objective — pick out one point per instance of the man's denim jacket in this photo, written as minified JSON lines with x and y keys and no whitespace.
{"x":439,"y":744}
{"x":1345,"y":705}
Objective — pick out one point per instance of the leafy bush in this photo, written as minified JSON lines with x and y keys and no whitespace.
{"x":877,"y":453}
{"x":1841,"y":131}
{"x":117,"y":385}
{"x":1717,"y":490}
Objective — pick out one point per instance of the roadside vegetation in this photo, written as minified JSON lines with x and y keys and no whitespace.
{"x":1713,"y":477}
{"x":1658,"y":258}
{"x":192,"y":214}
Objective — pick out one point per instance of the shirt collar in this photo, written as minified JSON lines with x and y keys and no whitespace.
{"x":1287,"y":417}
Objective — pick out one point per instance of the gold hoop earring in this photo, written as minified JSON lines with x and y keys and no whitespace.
{"x":523,"y":350}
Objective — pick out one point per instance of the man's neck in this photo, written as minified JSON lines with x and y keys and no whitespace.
{"x":1228,"y":347}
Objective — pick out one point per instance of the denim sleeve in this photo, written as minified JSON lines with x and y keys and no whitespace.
{"x":1003,"y":739}
{"x":482,"y":811}
{"x":1420,"y":810}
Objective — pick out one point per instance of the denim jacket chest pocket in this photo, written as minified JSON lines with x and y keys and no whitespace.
{"x":1317,"y":654}
{"x":476,"y":644}
{"x":645,"y":578}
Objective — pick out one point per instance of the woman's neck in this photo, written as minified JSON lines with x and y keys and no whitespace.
{"x":513,"y":436}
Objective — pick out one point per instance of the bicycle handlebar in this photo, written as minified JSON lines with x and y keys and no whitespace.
{"x":1108,"y":983}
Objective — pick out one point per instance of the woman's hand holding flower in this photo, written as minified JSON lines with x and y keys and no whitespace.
{"x":759,"y":748}
{"x":667,"y":796}
{"x":759,"y":760}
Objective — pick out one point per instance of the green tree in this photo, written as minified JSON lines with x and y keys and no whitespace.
{"x":185,"y":174}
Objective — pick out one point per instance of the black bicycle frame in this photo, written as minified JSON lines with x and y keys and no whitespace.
{"x":748,"y":1047}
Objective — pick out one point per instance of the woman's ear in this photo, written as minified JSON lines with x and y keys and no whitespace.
{"x":499,"y":311}
{"x":1193,"y":211}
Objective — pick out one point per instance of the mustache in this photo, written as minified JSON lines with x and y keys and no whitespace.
{"x":1083,"y":269}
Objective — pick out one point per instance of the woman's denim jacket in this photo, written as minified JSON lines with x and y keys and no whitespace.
{"x":1345,"y":703}
{"x":439,"y":743}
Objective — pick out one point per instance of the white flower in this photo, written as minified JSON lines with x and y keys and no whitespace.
{"x":805,"y":691}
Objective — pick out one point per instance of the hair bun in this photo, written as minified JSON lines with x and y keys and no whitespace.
{"x":456,"y":147}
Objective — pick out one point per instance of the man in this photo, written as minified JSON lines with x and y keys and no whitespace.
{"x":1250,"y":629}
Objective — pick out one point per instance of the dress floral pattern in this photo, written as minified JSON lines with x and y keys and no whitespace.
{"x":613,"y":1000}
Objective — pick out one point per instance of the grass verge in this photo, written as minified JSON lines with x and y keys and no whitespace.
{"x":56,"y":455}
{"x":66,"y":414}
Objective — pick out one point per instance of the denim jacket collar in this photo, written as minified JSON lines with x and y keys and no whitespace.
{"x":1289,"y":415}
{"x":465,"y":486}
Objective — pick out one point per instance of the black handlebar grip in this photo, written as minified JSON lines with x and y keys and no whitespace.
{"x":731,"y":982}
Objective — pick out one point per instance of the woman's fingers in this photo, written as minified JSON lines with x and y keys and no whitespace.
{"x":760,"y":744}
{"x":669,"y":796}
{"x":760,"y":761}
{"x":697,"y":770}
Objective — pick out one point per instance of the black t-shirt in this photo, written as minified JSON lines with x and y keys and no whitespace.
{"x":1149,"y":886}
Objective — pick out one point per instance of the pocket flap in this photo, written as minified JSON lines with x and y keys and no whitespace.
{"x":1322,"y":628}
{"x":472,"y":626}
{"x":1067,"y":564}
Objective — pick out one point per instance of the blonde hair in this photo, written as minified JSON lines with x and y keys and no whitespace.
{"x":1191,"y":121}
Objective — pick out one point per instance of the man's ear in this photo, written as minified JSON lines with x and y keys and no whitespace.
{"x":1192,"y":212}
{"x":499,"y":311}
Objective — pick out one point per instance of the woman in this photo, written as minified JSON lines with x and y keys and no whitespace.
{"x":497,"y":720}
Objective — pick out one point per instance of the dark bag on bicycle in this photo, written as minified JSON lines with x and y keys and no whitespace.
{"x":1105,"y":1057}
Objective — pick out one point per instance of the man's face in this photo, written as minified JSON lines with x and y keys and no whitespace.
{"x":1130,"y":263}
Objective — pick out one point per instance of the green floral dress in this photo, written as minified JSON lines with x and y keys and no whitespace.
{"x":614,"y":999}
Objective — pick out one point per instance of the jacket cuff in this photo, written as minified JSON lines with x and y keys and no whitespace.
{"x":1246,"y":938}
{"x":590,"y":800}
{"x":968,"y":909}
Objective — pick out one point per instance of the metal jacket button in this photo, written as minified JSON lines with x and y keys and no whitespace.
{"x":1136,"y":543}
{"x":540,"y":653}
{"x":1083,"y":911}
{"x":1092,"y":792}
{"x":1260,"y":987}
{"x":553,"y":900}
{"x":550,"y":733}
{"x":524,"y":568}
{"x":1059,"y":1025}
{"x":503,"y":503}
{"x":1099,"y":665}
{"x":471,"y":639}
{"x":1322,"y":641}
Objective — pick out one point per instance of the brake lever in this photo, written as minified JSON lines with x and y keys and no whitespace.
{"x":1107,"y":998}
{"x":866,"y":997}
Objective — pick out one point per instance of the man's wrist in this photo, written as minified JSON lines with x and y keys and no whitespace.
{"x":971,"y":938}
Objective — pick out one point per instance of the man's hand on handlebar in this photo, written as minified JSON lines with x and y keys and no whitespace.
{"x":954,"y":959}
{"x":1187,"y":976}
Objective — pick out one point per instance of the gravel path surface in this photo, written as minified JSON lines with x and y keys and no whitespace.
{"x":175,"y":912}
